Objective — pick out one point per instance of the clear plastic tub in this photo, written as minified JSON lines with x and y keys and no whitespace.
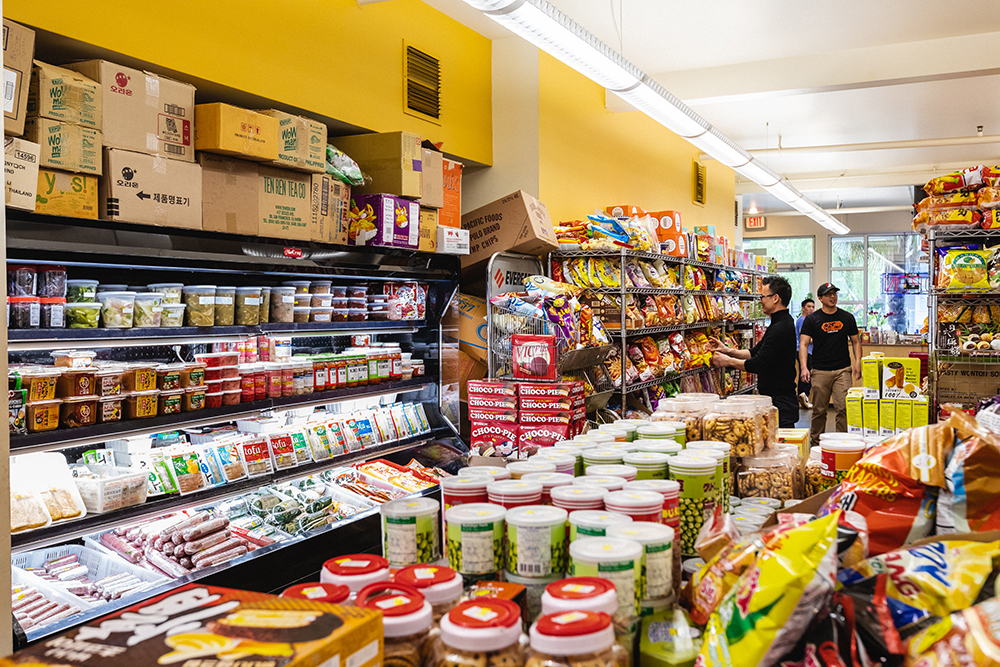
{"x":24,"y":312}
{"x":117,"y":309}
{"x":247,"y":306}
{"x":81,"y":291}
{"x":338,"y":291}
{"x":107,"y":488}
{"x":320,"y":301}
{"x":302,"y":300}
{"x":225,"y":306}
{"x":484,"y":631}
{"x":282,"y":304}
{"x":737,"y":424}
{"x":172,"y":315}
{"x":265,"y":305}
{"x":576,"y":638}
{"x":357,"y":291}
{"x":320,"y":314}
{"x":112,"y":287}
{"x":52,"y":281}
{"x":53,"y":312}
{"x":320,"y":286}
{"x":200,"y":302}
{"x":300,"y":286}
{"x":171,"y":291}
{"x":148,"y":310}
{"x":301,"y":314}
{"x":214,"y":359}
{"x":84,"y":315}
{"x":73,"y":358}
{"x":22,"y":280}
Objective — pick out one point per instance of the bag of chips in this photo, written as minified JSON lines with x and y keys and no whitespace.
{"x":969,"y":501}
{"x":971,"y":178}
{"x":769,"y":608}
{"x":991,"y":219}
{"x":969,"y":637}
{"x":964,"y":270}
{"x":988,"y":198}
{"x":958,"y":199}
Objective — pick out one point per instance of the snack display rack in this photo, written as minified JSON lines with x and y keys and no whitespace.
{"x":139,"y":254}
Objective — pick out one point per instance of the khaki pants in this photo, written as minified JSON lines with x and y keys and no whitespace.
{"x":827,"y":387}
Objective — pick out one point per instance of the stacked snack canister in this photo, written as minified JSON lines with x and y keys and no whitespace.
{"x":475,"y":537}
{"x":411,"y":531}
{"x":440,"y":586}
{"x":617,"y":560}
{"x":463,"y":490}
{"x":549,"y":481}
{"x":578,"y":497}
{"x":355,"y":571}
{"x":536,"y":541}
{"x":593,"y":523}
{"x":638,"y":505}
{"x":698,"y":495}
{"x":658,"y":563}
{"x":720,"y":452}
{"x":511,"y":493}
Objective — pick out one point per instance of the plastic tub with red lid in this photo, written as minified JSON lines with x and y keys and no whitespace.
{"x":580,"y":593}
{"x":577,"y":638}
{"x":355,"y":571}
{"x":406,"y":616}
{"x":214,"y":359}
{"x":318,"y":592}
{"x":441,"y":586}
{"x":484,"y":630}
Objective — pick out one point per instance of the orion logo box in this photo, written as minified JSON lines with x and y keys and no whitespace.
{"x":494,"y":438}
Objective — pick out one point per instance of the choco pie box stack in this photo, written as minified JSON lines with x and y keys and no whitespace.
{"x":516,"y":419}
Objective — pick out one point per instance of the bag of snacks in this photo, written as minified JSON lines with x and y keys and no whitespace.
{"x":964,"y":270}
{"x":988,"y":198}
{"x":967,"y":637}
{"x":968,"y":502}
{"x":958,"y":199}
{"x":971,"y":178}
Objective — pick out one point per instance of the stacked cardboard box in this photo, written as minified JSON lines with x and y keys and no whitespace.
{"x":516,"y":419}
{"x":889,"y":400}
{"x":18,"y":53}
{"x":64,"y":118}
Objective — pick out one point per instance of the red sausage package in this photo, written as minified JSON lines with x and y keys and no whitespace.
{"x":494,"y":438}
{"x":533,"y":438}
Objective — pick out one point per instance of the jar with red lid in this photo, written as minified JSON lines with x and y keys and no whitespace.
{"x":52,"y":312}
{"x":371,"y":355}
{"x":259,"y":382}
{"x":23,"y":312}
{"x":287,"y":378}
{"x":406,"y":620}
{"x":355,"y":571}
{"x":318,"y":592}
{"x":440,"y":585}
{"x":338,"y":372}
{"x":482,"y":631}
{"x":576,"y":638}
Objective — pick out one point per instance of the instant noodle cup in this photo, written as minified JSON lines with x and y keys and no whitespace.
{"x":593,"y":523}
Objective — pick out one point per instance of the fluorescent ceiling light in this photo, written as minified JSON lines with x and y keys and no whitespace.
{"x":550,"y":30}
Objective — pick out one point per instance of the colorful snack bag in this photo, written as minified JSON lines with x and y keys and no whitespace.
{"x":957,"y":180}
{"x":958,"y":199}
{"x":549,"y":287}
{"x":988,"y":198}
{"x":635,"y":274}
{"x":965,"y":269}
{"x":768,"y":610}
{"x":968,"y":637}
{"x":969,"y":502}
{"x":991,"y":219}
{"x":494,"y":438}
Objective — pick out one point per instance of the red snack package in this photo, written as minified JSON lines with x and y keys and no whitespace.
{"x":534,"y":357}
{"x":991,"y":219}
{"x":539,"y":390}
{"x":491,"y":402}
{"x":534,"y":417}
{"x":533,"y":438}
{"x":577,"y":388}
{"x":494,"y":438}
{"x":508,"y":415}
{"x":988,"y":198}
{"x":491,"y":388}
{"x":543,"y":403}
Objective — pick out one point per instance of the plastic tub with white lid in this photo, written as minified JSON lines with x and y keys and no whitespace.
{"x":640,"y":505}
{"x":479,"y":549}
{"x":593,"y":523}
{"x":602,"y":456}
{"x":669,"y":447}
{"x":608,"y":482}
{"x":578,"y":497}
{"x":564,"y":460}
{"x":536,"y":541}
{"x":618,"y":560}
{"x":648,"y":465}
{"x":483,"y":626}
{"x":626,"y":472}
{"x":657,"y":541}
{"x":549,"y":481}
{"x":519,"y":469}
{"x":416,"y":540}
{"x":493,"y":472}
{"x":406,"y":616}
{"x":720,"y":452}
{"x":511,"y":493}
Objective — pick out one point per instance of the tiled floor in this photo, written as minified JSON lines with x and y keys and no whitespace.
{"x":805,"y":419}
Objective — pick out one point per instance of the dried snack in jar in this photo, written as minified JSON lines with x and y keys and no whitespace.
{"x":766,"y":477}
{"x":21,"y":280}
{"x":734,"y":423}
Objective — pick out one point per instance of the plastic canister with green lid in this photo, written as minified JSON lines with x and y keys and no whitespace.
{"x":648,"y":465}
{"x":657,"y":541}
{"x":665,"y":430}
{"x":601,"y":456}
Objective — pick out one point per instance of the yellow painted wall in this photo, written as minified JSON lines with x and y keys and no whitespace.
{"x":590,"y":157}
{"x":328,"y":56}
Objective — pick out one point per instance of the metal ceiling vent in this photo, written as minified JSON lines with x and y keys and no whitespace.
{"x":423,"y":84}
{"x":700,"y":184}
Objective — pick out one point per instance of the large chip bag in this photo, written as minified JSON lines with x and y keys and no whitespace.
{"x":969,"y":502}
{"x":930,"y":580}
{"x":965,"y":269}
{"x":894,"y":486}
{"x":774,"y":601}
{"x":969,"y":637}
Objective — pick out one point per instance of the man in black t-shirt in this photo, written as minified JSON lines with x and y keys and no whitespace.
{"x":830,"y":330}
{"x":773,"y":358}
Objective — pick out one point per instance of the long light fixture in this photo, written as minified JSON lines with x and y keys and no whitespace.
{"x":550,"y":30}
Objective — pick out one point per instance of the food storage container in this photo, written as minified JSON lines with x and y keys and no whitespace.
{"x":299,"y":286}
{"x":663,"y":430}
{"x":357,"y":314}
{"x":302,"y":300}
{"x":639,"y":505}
{"x":531,"y":550}
{"x":320,"y":301}
{"x":282,"y":304}
{"x":25,"y":312}
{"x":406,"y":620}
{"x":602,"y":456}
{"x":138,"y":377}
{"x":511,"y":493}
{"x":669,"y":490}
{"x":83,"y":315}
{"x":657,"y":541}
{"x":225,"y":306}
{"x":109,"y":381}
{"x":766,"y":415}
{"x":698,"y":495}
{"x":73,"y":358}
{"x":172,"y":315}
{"x":77,"y":382}
{"x":213,"y":400}
{"x":737,"y":424}
{"x":357,"y":291}
{"x":720,"y":452}
{"x":53,"y":312}
{"x":594,"y":594}
{"x":171,"y":401}
{"x":549,"y":481}
{"x":213,"y":359}
{"x":22,"y":280}
{"x":338,"y":291}
{"x":81,"y":291}
{"x":194,"y":399}
{"x":593,"y":523}
{"x":668,"y":447}
{"x":463,"y":490}
{"x":320,"y":286}
{"x":519,"y":469}
{"x":320,"y":314}
{"x":200,"y":302}
{"x":578,"y":497}
{"x":43,"y":415}
{"x":52,"y":281}
{"x":619,"y":561}
{"x":573,"y":638}
{"x":116,"y":309}
{"x":410,"y":531}
{"x":357,"y":304}
{"x":317,"y":592}
{"x":193,"y":374}
{"x":648,"y":465}
{"x":247,"y":306}
{"x":141,"y":404}
{"x":168,"y":376}
{"x":231,"y":384}
{"x":231,"y":397}
{"x":441,"y":586}
{"x":78,"y":411}
{"x":815,"y":482}
{"x":109,"y":409}
{"x":148,"y":310}
{"x":112,"y":287}
{"x":171,"y":292}
{"x":301,"y":314}
{"x":474,"y":538}
{"x":628,"y":473}
{"x":213,"y":386}
{"x":689,"y":411}
{"x":838,"y":455}
{"x":485,"y":631}
{"x":355,"y":571}
{"x":265,"y":304}
{"x":492,"y":472}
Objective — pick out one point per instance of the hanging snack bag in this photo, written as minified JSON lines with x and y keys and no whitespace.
{"x":971,"y":178}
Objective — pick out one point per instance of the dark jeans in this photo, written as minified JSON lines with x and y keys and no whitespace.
{"x":788,"y":410}
{"x":806,"y":387}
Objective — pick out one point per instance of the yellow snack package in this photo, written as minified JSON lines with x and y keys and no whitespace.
{"x":930,"y":580}
{"x":968,"y":637}
{"x":607,"y":272}
{"x":775,"y":599}
{"x":965,"y":269}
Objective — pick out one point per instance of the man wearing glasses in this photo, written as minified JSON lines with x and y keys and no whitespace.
{"x":830,"y":331}
{"x":773,"y":358}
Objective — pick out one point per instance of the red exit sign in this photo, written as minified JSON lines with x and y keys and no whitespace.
{"x":755,"y":222}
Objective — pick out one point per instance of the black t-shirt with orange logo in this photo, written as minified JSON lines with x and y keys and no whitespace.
{"x":830,"y":334}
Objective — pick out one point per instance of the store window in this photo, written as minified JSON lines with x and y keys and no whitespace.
{"x":882,"y":280}
{"x":795,"y":256}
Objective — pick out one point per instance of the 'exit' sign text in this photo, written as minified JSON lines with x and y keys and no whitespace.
{"x":755,"y":222}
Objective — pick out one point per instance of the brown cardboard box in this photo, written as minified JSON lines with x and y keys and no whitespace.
{"x":143,"y":112}
{"x":223,"y":128}
{"x":330,"y":202}
{"x":301,"y":142}
{"x":469,"y":368}
{"x":451,"y":241}
{"x":451,"y":212}
{"x":517,"y":222}
{"x":65,"y":146}
{"x":71,"y":195}
{"x":472,"y":326}
{"x":20,"y":173}
{"x":64,"y":95}
{"x":150,"y":190}
{"x":392,"y":159}
{"x":285,"y":209}
{"x":432,"y":185}
{"x":810,"y":505}
{"x":18,"y":52}
{"x":228,"y":194}
{"x":428,"y":229}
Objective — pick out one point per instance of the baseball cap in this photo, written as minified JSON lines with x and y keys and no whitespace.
{"x":826,"y":288}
